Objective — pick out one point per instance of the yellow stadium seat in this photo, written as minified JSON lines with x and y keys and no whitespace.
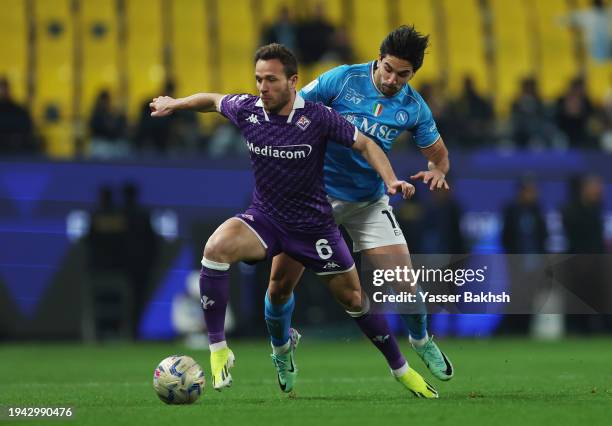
{"x":599,"y":73}
{"x":307,"y":74}
{"x":583,"y":4}
{"x":513,"y":51}
{"x":145,"y":70}
{"x":334,"y":12}
{"x":420,"y":13}
{"x":100,"y":69}
{"x":238,"y":39}
{"x":370,"y":25}
{"x":269,"y":10}
{"x":465,"y":41}
{"x":191,"y":49}
{"x":54,"y":80}
{"x":557,"y":65}
{"x":14,"y":36}
{"x":599,"y":79}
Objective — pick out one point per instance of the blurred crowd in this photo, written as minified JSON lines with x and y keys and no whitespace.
{"x":466,"y":122}
{"x":313,"y":39}
{"x":122,"y":252}
{"x":572,"y":120}
{"x":434,"y":226}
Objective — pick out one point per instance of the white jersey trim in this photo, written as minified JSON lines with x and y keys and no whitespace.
{"x":431,"y":144}
{"x":218,"y":107}
{"x":298,"y":103}
{"x":261,"y":240}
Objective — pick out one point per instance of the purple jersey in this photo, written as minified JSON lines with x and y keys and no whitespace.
{"x":287,"y":155}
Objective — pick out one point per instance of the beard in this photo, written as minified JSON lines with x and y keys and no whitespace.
{"x":389,"y":90}
{"x":283,"y":99}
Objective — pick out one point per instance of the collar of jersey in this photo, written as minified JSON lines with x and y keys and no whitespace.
{"x":298,"y":103}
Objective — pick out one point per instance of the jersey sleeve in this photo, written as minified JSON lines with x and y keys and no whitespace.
{"x":231,"y":105}
{"x":425,"y":131}
{"x":326,"y":87}
{"x":338,"y":128}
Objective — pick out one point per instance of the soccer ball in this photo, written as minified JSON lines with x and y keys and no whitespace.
{"x":178,"y":379}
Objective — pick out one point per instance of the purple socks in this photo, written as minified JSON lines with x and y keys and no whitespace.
{"x":214,"y":289}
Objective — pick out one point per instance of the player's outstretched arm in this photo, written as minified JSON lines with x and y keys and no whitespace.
{"x":376,"y":157}
{"x":438,"y":166}
{"x":202,"y":102}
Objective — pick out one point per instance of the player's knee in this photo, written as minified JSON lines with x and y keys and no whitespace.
{"x":219,"y":250}
{"x":352,"y":301}
{"x":278,"y":293}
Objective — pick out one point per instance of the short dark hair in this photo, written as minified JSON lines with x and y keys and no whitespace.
{"x":406,"y":43}
{"x":280,"y":52}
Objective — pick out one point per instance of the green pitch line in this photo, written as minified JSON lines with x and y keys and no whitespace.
{"x":497,"y":382}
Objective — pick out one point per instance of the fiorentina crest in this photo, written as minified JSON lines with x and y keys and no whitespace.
{"x":303,"y":122}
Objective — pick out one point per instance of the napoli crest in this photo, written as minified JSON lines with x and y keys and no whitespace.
{"x":401,"y":117}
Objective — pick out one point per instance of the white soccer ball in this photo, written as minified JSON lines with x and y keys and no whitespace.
{"x":178,"y":379}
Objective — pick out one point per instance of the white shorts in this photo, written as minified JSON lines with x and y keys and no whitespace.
{"x":370,"y":224}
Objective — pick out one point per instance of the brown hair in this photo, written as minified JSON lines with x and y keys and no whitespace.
{"x":280,"y":52}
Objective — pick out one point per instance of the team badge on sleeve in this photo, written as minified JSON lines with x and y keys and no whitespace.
{"x":303,"y":122}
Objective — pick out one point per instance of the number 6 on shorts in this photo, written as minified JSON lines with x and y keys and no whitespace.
{"x":323,"y":249}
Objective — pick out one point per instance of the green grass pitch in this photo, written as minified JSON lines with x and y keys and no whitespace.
{"x":497,"y":382}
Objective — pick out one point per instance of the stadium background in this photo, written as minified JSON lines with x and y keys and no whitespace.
{"x":104,"y":213}
{"x":58,"y":55}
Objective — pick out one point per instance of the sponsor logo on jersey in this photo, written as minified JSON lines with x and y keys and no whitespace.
{"x":373,"y":128}
{"x":286,"y":152}
{"x":354,"y":96}
{"x":331,"y":265}
{"x":248,"y":216}
{"x":253,"y":119}
{"x":401,"y":117}
{"x":303,"y":122}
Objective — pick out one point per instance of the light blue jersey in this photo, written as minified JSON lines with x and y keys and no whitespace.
{"x":350,"y":90}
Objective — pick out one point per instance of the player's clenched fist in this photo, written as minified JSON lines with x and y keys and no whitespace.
{"x":162,"y":106}
{"x":402,"y":186}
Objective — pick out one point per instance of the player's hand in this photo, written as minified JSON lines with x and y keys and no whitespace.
{"x":435,"y":179}
{"x":162,"y":106}
{"x":407,"y":189}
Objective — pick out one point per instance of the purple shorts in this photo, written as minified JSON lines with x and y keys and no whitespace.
{"x":324,"y":252}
